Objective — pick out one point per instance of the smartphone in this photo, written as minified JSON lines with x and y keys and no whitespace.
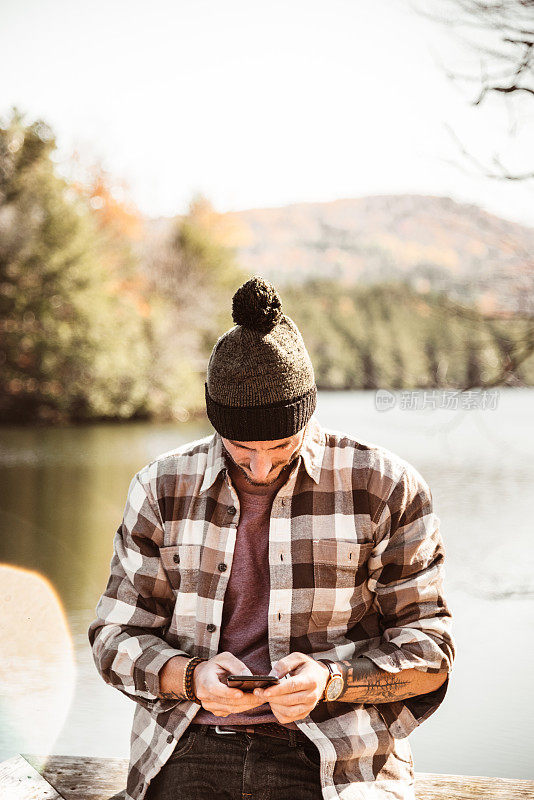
{"x":247,"y":683}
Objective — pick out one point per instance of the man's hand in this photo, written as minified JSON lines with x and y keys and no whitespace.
{"x":214,"y":694}
{"x":294,"y":697}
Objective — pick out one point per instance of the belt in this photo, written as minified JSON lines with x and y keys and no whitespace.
{"x":263,"y":729}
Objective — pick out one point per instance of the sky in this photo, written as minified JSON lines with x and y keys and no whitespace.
{"x":257,"y":104}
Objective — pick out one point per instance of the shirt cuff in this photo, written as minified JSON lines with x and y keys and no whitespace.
{"x":148,"y":666}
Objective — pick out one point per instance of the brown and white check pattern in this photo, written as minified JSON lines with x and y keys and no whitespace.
{"x":355,"y":565}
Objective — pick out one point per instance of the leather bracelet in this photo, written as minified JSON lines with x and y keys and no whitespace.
{"x":187,"y":688}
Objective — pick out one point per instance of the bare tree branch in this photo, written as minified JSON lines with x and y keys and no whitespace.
{"x":506,"y":48}
{"x":503,"y":173}
{"x":504,"y":89}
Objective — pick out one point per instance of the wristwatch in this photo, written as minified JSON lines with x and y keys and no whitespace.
{"x":334,"y":684}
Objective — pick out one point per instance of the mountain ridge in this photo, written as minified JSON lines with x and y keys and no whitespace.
{"x":430,"y":242}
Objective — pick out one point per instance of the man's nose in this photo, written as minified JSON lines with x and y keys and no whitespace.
{"x":260,"y":465}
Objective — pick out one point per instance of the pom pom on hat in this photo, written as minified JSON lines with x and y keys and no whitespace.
{"x":257,"y":305}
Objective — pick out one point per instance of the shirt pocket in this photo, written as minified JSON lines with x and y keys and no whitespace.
{"x":182,"y":564}
{"x":339,"y":580}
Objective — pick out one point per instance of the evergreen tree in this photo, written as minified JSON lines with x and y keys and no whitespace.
{"x":71,"y":347}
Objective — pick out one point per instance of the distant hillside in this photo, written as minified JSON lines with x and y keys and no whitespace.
{"x":379,"y":288}
{"x":432,"y":243}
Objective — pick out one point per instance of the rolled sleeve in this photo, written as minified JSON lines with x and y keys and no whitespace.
{"x":136,"y":607}
{"x":406,"y":576}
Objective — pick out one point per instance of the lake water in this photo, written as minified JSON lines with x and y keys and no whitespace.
{"x":62,"y":498}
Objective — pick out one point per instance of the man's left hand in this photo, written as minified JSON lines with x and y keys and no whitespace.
{"x":295,"y":696}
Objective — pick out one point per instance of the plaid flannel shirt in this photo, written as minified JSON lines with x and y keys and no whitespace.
{"x":355,"y":565}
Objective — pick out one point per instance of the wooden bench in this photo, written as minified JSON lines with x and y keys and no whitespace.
{"x":78,"y":778}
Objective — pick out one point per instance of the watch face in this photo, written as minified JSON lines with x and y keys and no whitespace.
{"x":335,"y":687}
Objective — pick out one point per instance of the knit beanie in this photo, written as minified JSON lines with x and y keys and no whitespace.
{"x":260,"y":382}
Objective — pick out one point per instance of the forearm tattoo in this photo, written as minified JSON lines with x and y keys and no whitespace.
{"x":170,"y":696}
{"x":364,"y":682}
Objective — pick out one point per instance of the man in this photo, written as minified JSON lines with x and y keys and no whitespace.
{"x":274,"y":546}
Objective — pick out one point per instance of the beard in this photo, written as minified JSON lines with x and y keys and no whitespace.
{"x":285,"y":469}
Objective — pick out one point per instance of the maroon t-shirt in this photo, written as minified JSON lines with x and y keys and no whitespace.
{"x":244,"y":630}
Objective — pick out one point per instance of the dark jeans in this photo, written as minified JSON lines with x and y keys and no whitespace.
{"x":211,"y":766}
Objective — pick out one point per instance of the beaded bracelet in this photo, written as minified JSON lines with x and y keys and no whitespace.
{"x":187,"y":689}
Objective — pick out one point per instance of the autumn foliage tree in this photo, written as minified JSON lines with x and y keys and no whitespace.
{"x":92,"y":323}
{"x":193,"y":273}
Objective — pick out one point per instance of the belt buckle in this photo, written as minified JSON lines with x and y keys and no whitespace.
{"x":218,"y":730}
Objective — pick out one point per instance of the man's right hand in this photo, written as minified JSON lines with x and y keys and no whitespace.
{"x":215,"y":695}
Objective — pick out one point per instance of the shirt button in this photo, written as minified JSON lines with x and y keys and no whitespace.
{"x":170,"y":738}
{"x":176,"y":558}
{"x":222,"y":567}
{"x":210,"y":627}
{"x":232,"y":509}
